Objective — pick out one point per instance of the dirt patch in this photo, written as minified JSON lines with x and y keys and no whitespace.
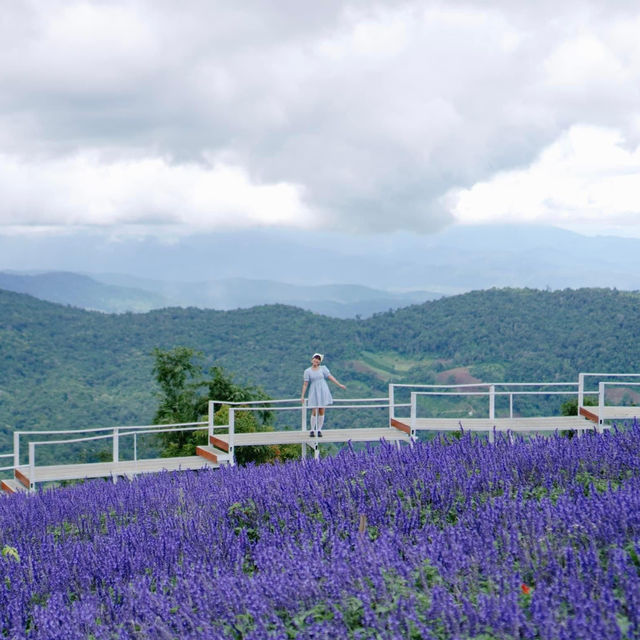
{"x":362,"y":367}
{"x":620,"y":395}
{"x":458,"y":375}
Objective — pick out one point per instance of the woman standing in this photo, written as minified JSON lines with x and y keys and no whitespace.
{"x":315,"y":377}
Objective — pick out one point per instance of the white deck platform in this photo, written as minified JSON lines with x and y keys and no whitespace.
{"x":501,"y":424}
{"x":107,"y":469}
{"x":610,"y":413}
{"x":303,"y":437}
{"x":220,"y":449}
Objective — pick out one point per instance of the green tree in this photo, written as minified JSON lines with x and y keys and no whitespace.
{"x":179,"y":376}
{"x":184,"y":397}
{"x":570,"y":407}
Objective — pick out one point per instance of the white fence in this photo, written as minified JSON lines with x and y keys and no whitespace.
{"x":292,"y":404}
{"x":600,"y":413}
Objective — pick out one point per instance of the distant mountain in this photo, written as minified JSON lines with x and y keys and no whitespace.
{"x":81,"y":291}
{"x":454,"y":260}
{"x":119,"y":293}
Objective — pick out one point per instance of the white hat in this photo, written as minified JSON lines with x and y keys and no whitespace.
{"x":318,"y":355}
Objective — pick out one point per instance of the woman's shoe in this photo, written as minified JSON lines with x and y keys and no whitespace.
{"x":312,"y":434}
{"x":319,"y":434}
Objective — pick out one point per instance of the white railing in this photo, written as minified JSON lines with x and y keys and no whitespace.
{"x":489,"y":390}
{"x":610,"y":411}
{"x":493,"y":390}
{"x":116,"y":433}
{"x":607,"y":411}
{"x":294,"y":405}
{"x":10,"y":467}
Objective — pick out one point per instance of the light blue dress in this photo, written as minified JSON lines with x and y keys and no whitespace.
{"x":319,"y":394}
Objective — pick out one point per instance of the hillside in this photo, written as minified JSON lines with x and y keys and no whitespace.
{"x":61,"y":366}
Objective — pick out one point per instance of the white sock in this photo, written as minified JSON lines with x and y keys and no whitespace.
{"x":313,"y":422}
{"x":320,"y":422}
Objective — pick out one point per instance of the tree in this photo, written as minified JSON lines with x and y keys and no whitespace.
{"x":184,"y":397}
{"x":570,"y":408}
{"x":180,"y":381}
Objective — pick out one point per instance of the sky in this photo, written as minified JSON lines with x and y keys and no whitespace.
{"x":155,"y":118}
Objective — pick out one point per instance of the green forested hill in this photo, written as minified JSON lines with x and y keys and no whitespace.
{"x":530,"y":334}
{"x":61,"y":366}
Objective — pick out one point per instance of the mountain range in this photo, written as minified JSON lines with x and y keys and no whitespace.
{"x":117,"y":293}
{"x":333,"y":274}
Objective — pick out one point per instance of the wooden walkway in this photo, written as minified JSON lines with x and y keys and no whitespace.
{"x":129,"y":469}
{"x":609,"y":413}
{"x":373,"y":434}
{"x":216,"y":454}
{"x":223,"y":439}
{"x":517,"y":425}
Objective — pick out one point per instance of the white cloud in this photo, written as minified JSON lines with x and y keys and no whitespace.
{"x":366,"y":113}
{"x":87,"y":190}
{"x":587,"y":177}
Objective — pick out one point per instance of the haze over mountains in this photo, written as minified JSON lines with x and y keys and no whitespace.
{"x":333,"y":274}
{"x":117,"y":293}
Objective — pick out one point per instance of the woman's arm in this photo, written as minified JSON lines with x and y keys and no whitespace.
{"x":304,"y":390}
{"x":342,"y":386}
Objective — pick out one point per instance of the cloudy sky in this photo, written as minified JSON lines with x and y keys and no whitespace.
{"x":165,"y":118}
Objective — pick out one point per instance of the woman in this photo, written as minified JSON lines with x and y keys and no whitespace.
{"x":315,"y":377}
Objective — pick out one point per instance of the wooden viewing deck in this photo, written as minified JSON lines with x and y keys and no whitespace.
{"x":123,"y":468}
{"x":524,"y":425}
{"x":399,"y":429}
{"x":372,"y":434}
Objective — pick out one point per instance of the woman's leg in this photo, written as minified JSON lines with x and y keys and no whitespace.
{"x":320,"y":420}
{"x":314,"y":421}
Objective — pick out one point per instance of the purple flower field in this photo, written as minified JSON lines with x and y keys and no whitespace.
{"x":451,"y":539}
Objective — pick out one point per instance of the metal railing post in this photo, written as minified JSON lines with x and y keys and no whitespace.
{"x":511,"y":405}
{"x":303,"y":427}
{"x":16,"y":449}
{"x":492,"y":409}
{"x":601,"y":388}
{"x":412,"y":421}
{"x":210,"y":417}
{"x":116,"y":444}
{"x":492,"y":402}
{"x":32,"y":466}
{"x":232,"y":421}
{"x":392,"y":408}
{"x":116,"y":450}
{"x":135,"y":447}
{"x":580,"y":391}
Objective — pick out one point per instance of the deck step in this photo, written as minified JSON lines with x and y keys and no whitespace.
{"x":12,"y":486}
{"x":21,"y":477}
{"x":401,"y":426}
{"x":219,"y":443}
{"x":213,"y":454}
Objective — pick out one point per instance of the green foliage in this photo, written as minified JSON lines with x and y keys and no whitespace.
{"x":179,"y":379}
{"x":570,"y":407}
{"x":184,"y":397}
{"x":66,"y":367}
{"x":10,"y":552}
{"x":249,"y":422}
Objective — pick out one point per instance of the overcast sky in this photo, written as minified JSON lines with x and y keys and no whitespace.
{"x":167,"y":118}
